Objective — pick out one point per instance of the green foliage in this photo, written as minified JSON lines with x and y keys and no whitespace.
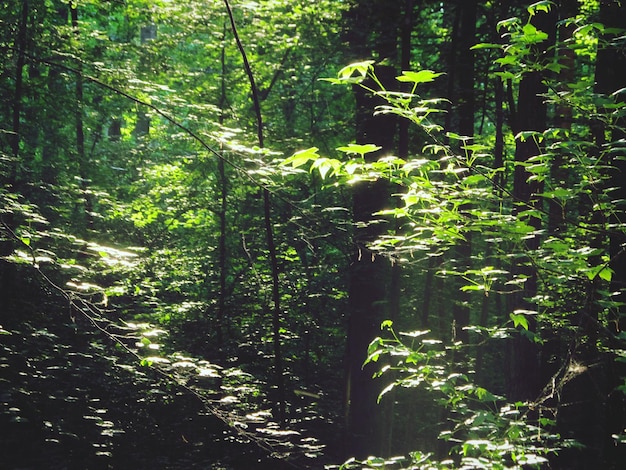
{"x":484,"y":430}
{"x":134,"y":278}
{"x":434,"y":193}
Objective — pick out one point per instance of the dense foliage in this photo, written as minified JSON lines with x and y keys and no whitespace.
{"x":295,"y":234}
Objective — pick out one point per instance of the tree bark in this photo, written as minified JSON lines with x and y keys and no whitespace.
{"x":368,"y":278}
{"x":524,"y":378}
{"x":464,"y":65}
{"x":610,"y":77}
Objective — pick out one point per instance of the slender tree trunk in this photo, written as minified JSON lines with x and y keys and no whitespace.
{"x":460,"y":120}
{"x":223,"y":195}
{"x":466,"y":108}
{"x":142,"y":126}
{"x":524,"y":379}
{"x":498,"y":150}
{"x":269,"y":232}
{"x":563,"y":112}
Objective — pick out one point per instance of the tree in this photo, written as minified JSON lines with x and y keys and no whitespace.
{"x":530,"y":119}
{"x":369,"y":273}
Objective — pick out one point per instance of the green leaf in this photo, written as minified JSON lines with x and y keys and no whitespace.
{"x":326,"y":166}
{"x":301,"y":157}
{"x":351,"y":167}
{"x":374,"y":356}
{"x":544,"y":6}
{"x":415,"y":334}
{"x":388,"y":388}
{"x":533,"y":35}
{"x":525,"y":135}
{"x":606,"y":274}
{"x":455,"y":136}
{"x":472,"y":287}
{"x":374,"y":345}
{"x":485,"y":45}
{"x":519,"y":320}
{"x":484,"y":394}
{"x":359,"y":149}
{"x":603,"y":272}
{"x":506,"y":60}
{"x":361,"y":69}
{"x":423,"y":76}
{"x":508,"y":23}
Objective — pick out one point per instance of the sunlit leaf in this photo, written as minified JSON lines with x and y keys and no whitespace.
{"x":359,"y":149}
{"x":519,"y":320}
{"x":423,"y":76}
{"x":301,"y":157}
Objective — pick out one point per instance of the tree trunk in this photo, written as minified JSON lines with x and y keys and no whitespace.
{"x":464,"y":65}
{"x":87,"y":208}
{"x":373,"y":32}
{"x":610,"y":77}
{"x":368,"y":278}
{"x":222,"y":213}
{"x":142,"y":126}
{"x":524,"y":376}
{"x":269,"y":233}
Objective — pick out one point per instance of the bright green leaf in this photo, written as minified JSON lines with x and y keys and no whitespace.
{"x":359,"y":149}
{"x":543,"y":5}
{"x":519,"y":320}
{"x":423,"y":76}
{"x":301,"y":157}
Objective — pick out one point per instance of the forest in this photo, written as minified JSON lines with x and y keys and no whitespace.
{"x":296,"y":234}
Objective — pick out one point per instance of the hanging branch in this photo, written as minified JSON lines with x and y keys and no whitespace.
{"x":248,"y":69}
{"x":271,"y":245}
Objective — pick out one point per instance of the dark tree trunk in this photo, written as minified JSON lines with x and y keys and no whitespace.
{"x":395,"y":285}
{"x":373,"y":32}
{"x":460,"y":120}
{"x":563,"y":111}
{"x":368,"y":278}
{"x":524,"y":378}
{"x":498,"y":150}
{"x":18,"y":90}
{"x":464,"y":64}
{"x":610,"y":77}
